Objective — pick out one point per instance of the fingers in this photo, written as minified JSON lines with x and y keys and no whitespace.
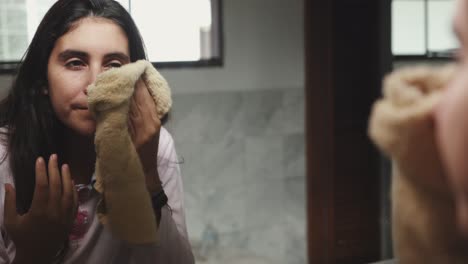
{"x":143,"y":97}
{"x":55,"y":181}
{"x":136,"y":102}
{"x":143,"y":121}
{"x":134,"y":112}
{"x":134,"y":116}
{"x":131,"y":127}
{"x":68,"y":188}
{"x":56,"y":192}
{"x":142,"y":102}
{"x":10,"y":213}
{"x":41,"y":191}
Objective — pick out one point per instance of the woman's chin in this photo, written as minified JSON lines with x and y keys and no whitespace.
{"x":86,"y":130}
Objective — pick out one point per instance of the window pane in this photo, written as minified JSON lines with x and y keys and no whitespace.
{"x":408,"y":27}
{"x":17,"y":45}
{"x":35,"y":11}
{"x":125,"y":4}
{"x":172,"y":33}
{"x":440,"y":15}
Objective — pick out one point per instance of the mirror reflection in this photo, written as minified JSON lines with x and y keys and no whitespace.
{"x":231,"y":153}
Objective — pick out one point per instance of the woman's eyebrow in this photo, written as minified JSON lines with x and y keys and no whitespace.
{"x":118,"y":55}
{"x":64,"y":55}
{"x":69,"y":53}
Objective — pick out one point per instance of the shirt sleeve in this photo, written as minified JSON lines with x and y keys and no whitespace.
{"x":7,"y":249}
{"x":169,"y":174}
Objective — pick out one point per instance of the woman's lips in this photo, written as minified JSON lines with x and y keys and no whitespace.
{"x":79,"y":106}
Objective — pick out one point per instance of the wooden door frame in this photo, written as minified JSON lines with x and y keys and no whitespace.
{"x":325,"y":60}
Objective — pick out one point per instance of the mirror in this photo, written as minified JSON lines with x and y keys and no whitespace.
{"x":238,"y":129}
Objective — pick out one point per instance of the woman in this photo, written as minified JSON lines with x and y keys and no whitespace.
{"x":451,"y":121}
{"x":48,"y":146}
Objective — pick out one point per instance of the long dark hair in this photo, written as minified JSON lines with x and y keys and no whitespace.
{"x":32,"y":129}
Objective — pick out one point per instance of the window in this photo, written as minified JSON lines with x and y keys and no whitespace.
{"x":423,"y":28}
{"x":177,"y":33}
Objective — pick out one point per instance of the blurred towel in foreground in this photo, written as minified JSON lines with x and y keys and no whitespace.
{"x":402,"y":126}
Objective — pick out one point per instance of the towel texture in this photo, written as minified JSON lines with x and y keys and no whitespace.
{"x":423,"y":211}
{"x":126,"y":204}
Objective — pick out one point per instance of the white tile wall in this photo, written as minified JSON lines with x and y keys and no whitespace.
{"x":244,"y":171}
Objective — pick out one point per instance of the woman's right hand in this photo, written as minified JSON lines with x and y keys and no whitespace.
{"x":39,"y":234}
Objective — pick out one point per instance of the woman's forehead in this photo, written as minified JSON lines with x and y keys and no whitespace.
{"x":94,"y":34}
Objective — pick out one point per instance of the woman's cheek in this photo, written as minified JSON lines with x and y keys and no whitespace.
{"x":451,"y":121}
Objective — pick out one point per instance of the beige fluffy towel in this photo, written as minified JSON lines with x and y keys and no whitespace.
{"x":126,"y":205}
{"x":423,"y":210}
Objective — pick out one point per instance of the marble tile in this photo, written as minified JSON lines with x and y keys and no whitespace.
{"x":214,"y":176}
{"x":265,"y":200}
{"x":225,"y":210}
{"x":235,"y":239}
{"x":282,"y":239}
{"x":295,"y":197}
{"x":264,"y":158}
{"x":294,"y":155}
{"x":295,"y":220}
{"x":225,"y":163}
{"x":262,"y":113}
{"x":294,"y":208}
{"x":270,"y":241}
{"x":206,"y":117}
{"x":213,"y":165}
{"x":244,"y":170}
{"x":253,"y":112}
{"x":212,"y":116}
{"x":294,"y":111}
{"x":296,"y":249}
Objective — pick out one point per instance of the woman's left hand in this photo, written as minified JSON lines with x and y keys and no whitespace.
{"x":144,"y":126}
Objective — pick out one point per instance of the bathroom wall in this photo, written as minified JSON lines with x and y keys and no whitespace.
{"x":239,"y":131}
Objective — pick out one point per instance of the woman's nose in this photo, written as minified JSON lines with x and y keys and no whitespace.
{"x":95,"y":70}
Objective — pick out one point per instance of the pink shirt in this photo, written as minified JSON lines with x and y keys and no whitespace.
{"x":91,"y":242}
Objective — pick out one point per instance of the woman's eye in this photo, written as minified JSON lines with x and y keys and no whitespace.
{"x":74,"y":64}
{"x":114,"y":65}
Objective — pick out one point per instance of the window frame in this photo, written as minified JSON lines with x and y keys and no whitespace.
{"x":11,"y":67}
{"x":429,"y":55}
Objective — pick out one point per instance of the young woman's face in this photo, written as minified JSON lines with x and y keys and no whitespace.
{"x":452,"y":120}
{"x":93,"y":45}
